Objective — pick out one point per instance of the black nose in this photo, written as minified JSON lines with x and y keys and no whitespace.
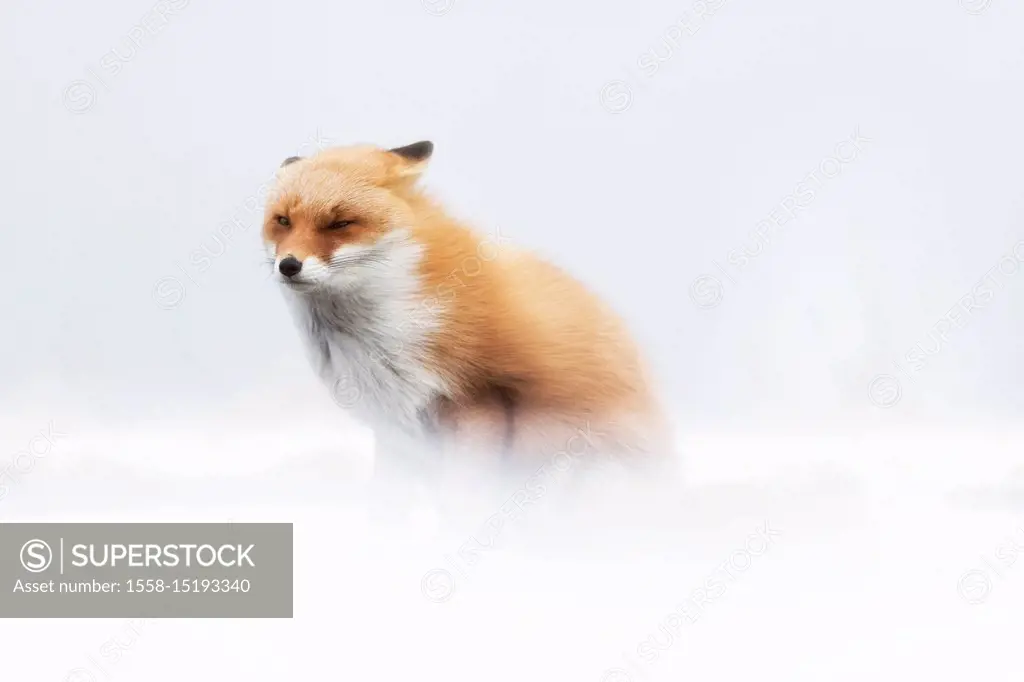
{"x":290,"y":266}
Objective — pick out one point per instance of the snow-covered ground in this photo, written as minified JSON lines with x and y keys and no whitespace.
{"x":883,"y":552}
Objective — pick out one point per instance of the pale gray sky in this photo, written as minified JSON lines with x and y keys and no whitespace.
{"x":635,"y":146}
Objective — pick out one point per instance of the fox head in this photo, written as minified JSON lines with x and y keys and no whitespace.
{"x":339,"y":219}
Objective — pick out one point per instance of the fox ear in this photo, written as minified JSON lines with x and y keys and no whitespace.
{"x":413,"y":157}
{"x":290,"y":159}
{"x":417,"y":152}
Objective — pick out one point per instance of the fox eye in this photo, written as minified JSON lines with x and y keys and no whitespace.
{"x":340,"y":224}
{"x":282,"y":220}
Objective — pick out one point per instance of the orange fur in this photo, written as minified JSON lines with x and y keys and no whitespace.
{"x":520,"y":338}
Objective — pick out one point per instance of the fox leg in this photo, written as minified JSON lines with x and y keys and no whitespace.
{"x":476,"y":431}
{"x":405,"y":473}
{"x":473,"y":438}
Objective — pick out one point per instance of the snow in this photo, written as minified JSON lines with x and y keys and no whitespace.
{"x":878,"y":554}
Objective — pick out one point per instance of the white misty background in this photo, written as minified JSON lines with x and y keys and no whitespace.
{"x":638,"y":145}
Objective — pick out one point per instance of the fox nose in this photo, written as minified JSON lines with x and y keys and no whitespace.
{"x":290,"y":266}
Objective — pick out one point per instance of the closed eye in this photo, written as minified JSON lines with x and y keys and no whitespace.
{"x":340,"y":224}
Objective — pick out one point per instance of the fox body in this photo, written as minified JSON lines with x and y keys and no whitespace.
{"x":426,"y":329}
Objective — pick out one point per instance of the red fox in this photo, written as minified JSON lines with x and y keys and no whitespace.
{"x":434,"y":333}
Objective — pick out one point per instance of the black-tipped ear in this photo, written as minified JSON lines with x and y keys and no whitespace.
{"x":290,"y":159}
{"x":415,"y":152}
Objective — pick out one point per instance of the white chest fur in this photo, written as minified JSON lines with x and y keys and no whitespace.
{"x":367,"y":331}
